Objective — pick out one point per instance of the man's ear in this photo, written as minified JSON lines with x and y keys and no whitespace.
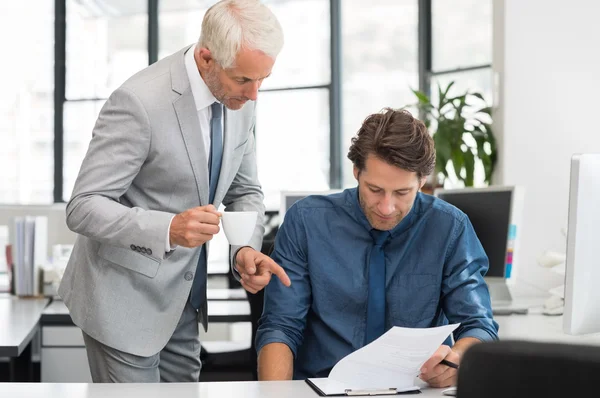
{"x":423,"y":181}
{"x":356,"y":172}
{"x":203,"y":57}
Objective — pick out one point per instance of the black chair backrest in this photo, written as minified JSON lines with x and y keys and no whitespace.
{"x":528,"y":369}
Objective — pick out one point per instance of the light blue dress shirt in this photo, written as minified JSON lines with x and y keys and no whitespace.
{"x":434,"y":276}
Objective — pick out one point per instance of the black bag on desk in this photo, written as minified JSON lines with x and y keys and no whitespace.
{"x":528,"y":369}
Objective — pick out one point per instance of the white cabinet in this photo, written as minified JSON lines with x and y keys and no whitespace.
{"x":63,"y":355}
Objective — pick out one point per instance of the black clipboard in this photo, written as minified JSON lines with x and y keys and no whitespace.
{"x":350,"y":392}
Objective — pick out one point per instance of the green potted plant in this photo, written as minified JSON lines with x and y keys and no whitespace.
{"x":462,"y":132}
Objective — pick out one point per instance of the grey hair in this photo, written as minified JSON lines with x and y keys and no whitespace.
{"x":230,"y":25}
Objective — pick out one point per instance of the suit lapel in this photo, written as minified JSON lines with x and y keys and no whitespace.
{"x":185,"y":109}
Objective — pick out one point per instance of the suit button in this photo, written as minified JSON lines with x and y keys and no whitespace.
{"x":132,"y":247}
{"x":149,"y":251}
{"x":138,"y":249}
{"x":188,"y":276}
{"x":143,"y":249}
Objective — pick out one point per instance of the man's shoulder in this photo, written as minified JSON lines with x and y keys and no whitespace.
{"x":153,"y":77}
{"x":437,"y":208}
{"x":324,"y":202}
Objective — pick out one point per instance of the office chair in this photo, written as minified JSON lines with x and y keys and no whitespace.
{"x":527,"y":369}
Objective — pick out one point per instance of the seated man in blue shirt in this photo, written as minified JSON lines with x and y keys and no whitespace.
{"x":372,"y":257}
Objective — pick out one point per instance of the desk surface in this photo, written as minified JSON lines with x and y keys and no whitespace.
{"x":264,"y":389}
{"x":537,"y":327}
{"x":19,"y":320}
{"x":218,"y":311}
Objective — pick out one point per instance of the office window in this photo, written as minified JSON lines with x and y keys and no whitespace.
{"x":475,"y":80}
{"x":292,"y":125}
{"x":293,"y":105}
{"x":461,"y":51}
{"x":179,"y":24}
{"x":461,"y":33}
{"x":379,"y":63}
{"x":304,"y":59}
{"x":26,"y":102}
{"x":106,"y":43}
{"x":292,"y":142}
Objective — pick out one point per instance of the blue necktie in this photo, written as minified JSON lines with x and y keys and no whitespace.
{"x":216,"y":148}
{"x":376,"y":300}
{"x":198,"y":294}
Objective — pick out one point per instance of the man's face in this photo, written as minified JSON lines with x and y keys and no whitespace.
{"x":386,"y":192}
{"x":234,"y":86}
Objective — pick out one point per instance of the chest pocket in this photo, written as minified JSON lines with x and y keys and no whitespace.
{"x":413,"y":299}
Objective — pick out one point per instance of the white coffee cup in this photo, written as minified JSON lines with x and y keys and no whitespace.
{"x":239,"y":226}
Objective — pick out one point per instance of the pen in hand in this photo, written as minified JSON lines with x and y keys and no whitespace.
{"x":448,"y":363}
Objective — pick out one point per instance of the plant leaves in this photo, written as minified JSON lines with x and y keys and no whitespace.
{"x":421,"y":96}
{"x":478,"y":95}
{"x":469,"y":159}
{"x":454,"y":119}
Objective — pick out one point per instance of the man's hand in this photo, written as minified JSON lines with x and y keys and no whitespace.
{"x":437,"y":374}
{"x":256,"y":268}
{"x":195,"y":226}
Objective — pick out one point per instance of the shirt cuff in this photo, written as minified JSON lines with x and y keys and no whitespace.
{"x":480,"y":334}
{"x":168,"y":246}
{"x":234,"y":252}
{"x":273,"y":336}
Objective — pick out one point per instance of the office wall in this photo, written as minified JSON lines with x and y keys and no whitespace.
{"x":547,"y":58}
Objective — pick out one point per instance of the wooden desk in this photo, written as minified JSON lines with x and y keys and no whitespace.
{"x":19,"y":322}
{"x":252,"y":389}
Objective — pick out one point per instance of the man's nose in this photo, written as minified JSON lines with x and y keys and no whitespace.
{"x":252,"y":91}
{"x":386,"y":206}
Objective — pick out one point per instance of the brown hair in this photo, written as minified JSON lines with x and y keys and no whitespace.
{"x":397,"y":138}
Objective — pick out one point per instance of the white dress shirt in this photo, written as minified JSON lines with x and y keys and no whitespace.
{"x":203,"y":99}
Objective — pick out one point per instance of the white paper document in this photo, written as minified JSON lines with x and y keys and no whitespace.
{"x":393,"y":361}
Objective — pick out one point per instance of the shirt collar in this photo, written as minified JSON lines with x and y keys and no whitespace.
{"x":361,"y":218}
{"x":203,"y":98}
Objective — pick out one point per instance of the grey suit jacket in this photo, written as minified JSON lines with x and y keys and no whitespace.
{"x":145,"y":163}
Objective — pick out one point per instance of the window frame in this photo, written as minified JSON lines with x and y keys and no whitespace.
{"x":425,"y":72}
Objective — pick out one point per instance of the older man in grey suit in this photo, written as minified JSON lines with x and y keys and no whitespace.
{"x":162,"y":158}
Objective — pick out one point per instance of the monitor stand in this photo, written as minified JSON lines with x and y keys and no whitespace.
{"x":499,"y":292}
{"x":502,"y":301}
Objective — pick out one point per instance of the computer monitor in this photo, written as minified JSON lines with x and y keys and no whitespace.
{"x":288,"y":198}
{"x":582,"y":269}
{"x":495,"y":213}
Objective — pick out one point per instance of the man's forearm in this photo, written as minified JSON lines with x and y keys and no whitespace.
{"x":275,"y":362}
{"x":463,"y":344}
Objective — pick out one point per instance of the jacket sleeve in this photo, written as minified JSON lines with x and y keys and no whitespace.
{"x":119,"y":146}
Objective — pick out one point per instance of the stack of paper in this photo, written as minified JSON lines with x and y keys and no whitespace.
{"x":392,"y":362}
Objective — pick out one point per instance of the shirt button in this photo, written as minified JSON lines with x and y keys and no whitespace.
{"x":132,"y":246}
{"x":189,"y":276}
